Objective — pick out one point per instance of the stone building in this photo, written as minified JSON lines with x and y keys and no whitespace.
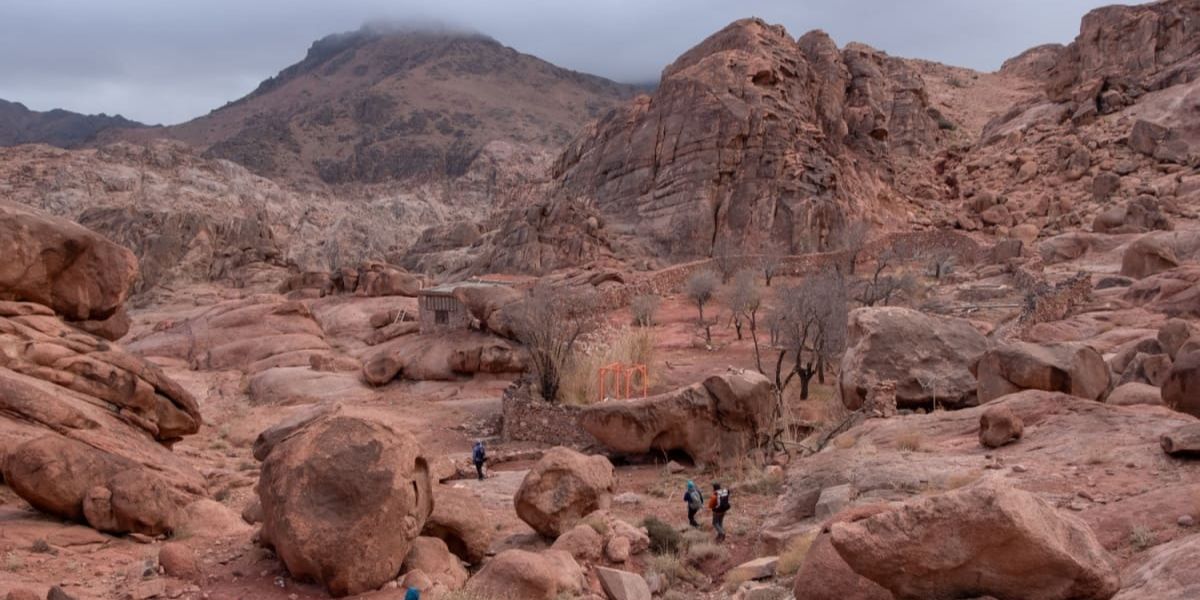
{"x":440,"y":311}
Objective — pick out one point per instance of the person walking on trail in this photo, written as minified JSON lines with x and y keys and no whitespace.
{"x":718,"y":503}
{"x":479,"y":456}
{"x":695,"y":501}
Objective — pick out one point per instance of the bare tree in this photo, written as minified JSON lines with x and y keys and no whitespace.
{"x":643,"y":308}
{"x":854,"y":240}
{"x":549,"y":323}
{"x":726,"y":259}
{"x":744,"y":297}
{"x":881,"y":288}
{"x":811,"y":317}
{"x":770,"y":261}
{"x":940,"y":263}
{"x":700,"y":288}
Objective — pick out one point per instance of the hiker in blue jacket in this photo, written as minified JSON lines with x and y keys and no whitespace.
{"x":479,"y":456}
{"x":695,"y":501}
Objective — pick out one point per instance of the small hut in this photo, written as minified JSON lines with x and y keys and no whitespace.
{"x":439,"y":310}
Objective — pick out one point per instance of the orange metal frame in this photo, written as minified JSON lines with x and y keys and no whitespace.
{"x":624,"y":374}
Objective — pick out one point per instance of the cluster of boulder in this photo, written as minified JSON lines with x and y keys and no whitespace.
{"x":354,"y":504}
{"x":85,"y":426}
{"x":948,"y":363}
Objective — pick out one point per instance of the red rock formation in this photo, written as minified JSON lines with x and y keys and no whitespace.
{"x":755,"y":137}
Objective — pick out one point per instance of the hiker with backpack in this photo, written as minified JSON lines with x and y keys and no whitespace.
{"x":479,"y":456}
{"x":695,"y":501}
{"x":719,"y":505}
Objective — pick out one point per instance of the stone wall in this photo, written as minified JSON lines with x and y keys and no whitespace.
{"x":913,"y":244}
{"x":525,"y":418}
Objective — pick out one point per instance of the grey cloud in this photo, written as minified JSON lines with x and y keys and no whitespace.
{"x":168,"y":61}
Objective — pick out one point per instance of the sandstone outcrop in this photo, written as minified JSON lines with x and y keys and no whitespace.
{"x":985,"y":539}
{"x":1165,"y":573}
{"x":714,"y":154}
{"x":77,"y":273}
{"x":1157,"y":252}
{"x":441,"y":357}
{"x":928,"y":357}
{"x":73,"y":480}
{"x":85,"y":426}
{"x":343,"y":500}
{"x":562,"y":488}
{"x":711,"y":421}
{"x":1073,"y":368}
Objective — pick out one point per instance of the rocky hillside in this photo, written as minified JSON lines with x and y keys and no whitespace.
{"x":379,"y":105}
{"x":755,"y":137}
{"x":63,"y":128}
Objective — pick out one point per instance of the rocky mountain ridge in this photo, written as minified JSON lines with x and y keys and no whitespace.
{"x":63,"y":128}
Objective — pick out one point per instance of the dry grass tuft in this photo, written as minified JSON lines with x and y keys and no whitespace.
{"x":792,"y":557}
{"x":707,"y":550}
{"x":910,"y":442}
{"x":627,"y":346}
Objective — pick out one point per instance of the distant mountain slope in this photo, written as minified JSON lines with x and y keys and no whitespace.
{"x":380,"y":105}
{"x":66,"y":129}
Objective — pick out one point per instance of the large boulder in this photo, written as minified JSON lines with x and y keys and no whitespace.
{"x":441,"y":357}
{"x":1129,"y":394}
{"x":546,"y":575}
{"x":72,"y":480}
{"x":431,"y":556}
{"x":1160,"y":251}
{"x":1069,"y":367}
{"x":928,"y":357}
{"x":1181,"y":390}
{"x":482,"y":301}
{"x":343,"y":499}
{"x":562,"y":488}
{"x":823,"y":564}
{"x":711,"y":421}
{"x":984,"y":539}
{"x":51,"y":261}
{"x":622,"y":585}
{"x":460,"y":520}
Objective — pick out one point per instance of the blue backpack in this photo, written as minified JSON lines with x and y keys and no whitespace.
{"x":478,"y":455}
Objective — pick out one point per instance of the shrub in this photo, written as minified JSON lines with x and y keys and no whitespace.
{"x":909,"y":442}
{"x":672,"y":568}
{"x":664,"y":539}
{"x":644,"y":308}
{"x":1141,"y":538}
{"x":40,"y":546}
{"x":700,"y":552}
{"x":792,"y":557}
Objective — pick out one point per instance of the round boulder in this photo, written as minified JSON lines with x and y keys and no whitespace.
{"x":562,"y":488}
{"x":998,"y":426}
{"x":1181,"y":390}
{"x":546,"y":575}
{"x":928,"y":357}
{"x":343,"y":499}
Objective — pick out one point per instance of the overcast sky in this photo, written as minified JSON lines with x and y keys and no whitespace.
{"x":166,"y":61}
